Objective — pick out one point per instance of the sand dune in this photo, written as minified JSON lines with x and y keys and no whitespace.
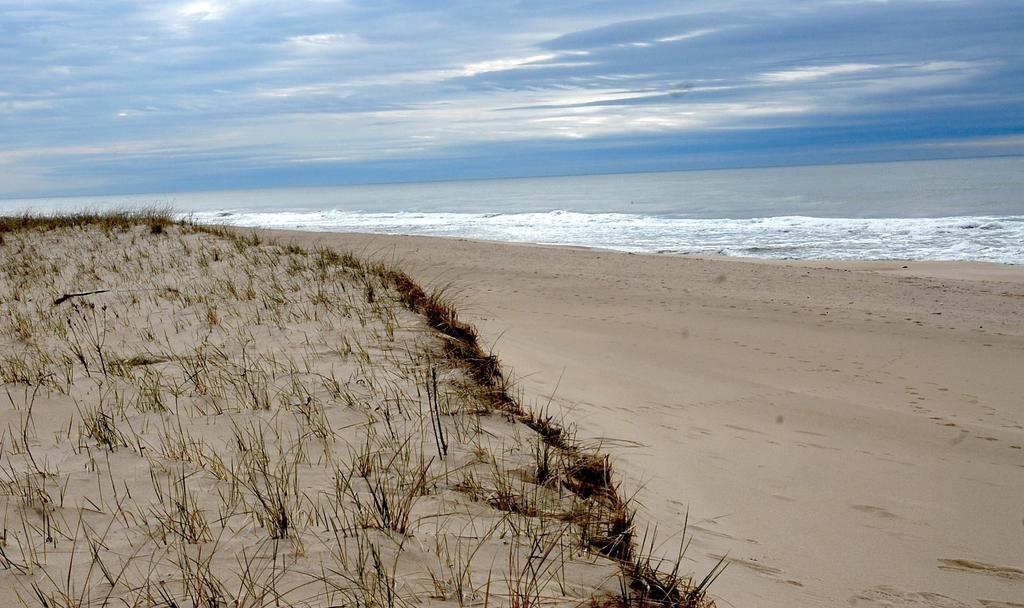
{"x":198,"y":418}
{"x":848,"y":434}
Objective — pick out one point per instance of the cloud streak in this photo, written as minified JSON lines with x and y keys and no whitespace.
{"x":159,"y":96}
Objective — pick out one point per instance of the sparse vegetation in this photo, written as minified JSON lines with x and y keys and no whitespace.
{"x":198,"y":416}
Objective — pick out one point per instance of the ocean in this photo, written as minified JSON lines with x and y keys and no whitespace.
{"x":970,"y":209}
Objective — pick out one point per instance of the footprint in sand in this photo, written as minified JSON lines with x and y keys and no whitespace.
{"x":894,"y":597}
{"x":999,"y":604}
{"x":760,"y":568}
{"x":810,"y":433}
{"x":873,"y":510}
{"x":818,"y":446}
{"x":743,"y":428}
{"x":968,"y":565}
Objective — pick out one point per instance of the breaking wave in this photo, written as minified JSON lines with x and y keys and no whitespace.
{"x":965,"y":238}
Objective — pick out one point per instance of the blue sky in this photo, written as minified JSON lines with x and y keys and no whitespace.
{"x":157,"y":96}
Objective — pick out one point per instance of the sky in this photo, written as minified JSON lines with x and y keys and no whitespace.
{"x":162,"y":96}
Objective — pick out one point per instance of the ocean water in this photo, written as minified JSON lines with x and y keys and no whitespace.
{"x":969,"y":209}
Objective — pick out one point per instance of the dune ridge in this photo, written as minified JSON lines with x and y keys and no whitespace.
{"x":203,"y":417}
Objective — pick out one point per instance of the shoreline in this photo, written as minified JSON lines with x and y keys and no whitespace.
{"x":657,"y":252}
{"x":844,"y":431}
{"x":970,"y":269}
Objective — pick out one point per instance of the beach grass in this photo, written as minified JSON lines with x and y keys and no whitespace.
{"x":201,"y":416}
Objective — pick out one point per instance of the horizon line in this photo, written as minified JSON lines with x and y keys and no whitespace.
{"x":521,"y":177}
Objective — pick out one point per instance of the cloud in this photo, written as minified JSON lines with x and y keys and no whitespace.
{"x":128,"y":92}
{"x":497,"y":65}
{"x":203,"y":10}
{"x":816,"y":72}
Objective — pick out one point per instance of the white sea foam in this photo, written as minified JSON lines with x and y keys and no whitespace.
{"x":978,"y":238}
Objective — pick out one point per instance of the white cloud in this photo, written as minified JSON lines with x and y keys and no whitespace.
{"x":688,"y":35}
{"x":320,"y":39}
{"x":950,"y":66}
{"x":203,"y":10}
{"x":817,"y":72}
{"x":328,"y":42}
{"x":495,"y":65}
{"x":14,"y":107}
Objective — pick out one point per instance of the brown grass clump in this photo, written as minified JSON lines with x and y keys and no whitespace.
{"x":155,"y":217}
{"x":202,"y":417}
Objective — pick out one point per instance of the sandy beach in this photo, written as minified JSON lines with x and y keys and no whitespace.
{"x":333,"y":304}
{"x":847,"y":433}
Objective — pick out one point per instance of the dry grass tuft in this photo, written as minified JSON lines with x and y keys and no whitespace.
{"x":157,"y":218}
